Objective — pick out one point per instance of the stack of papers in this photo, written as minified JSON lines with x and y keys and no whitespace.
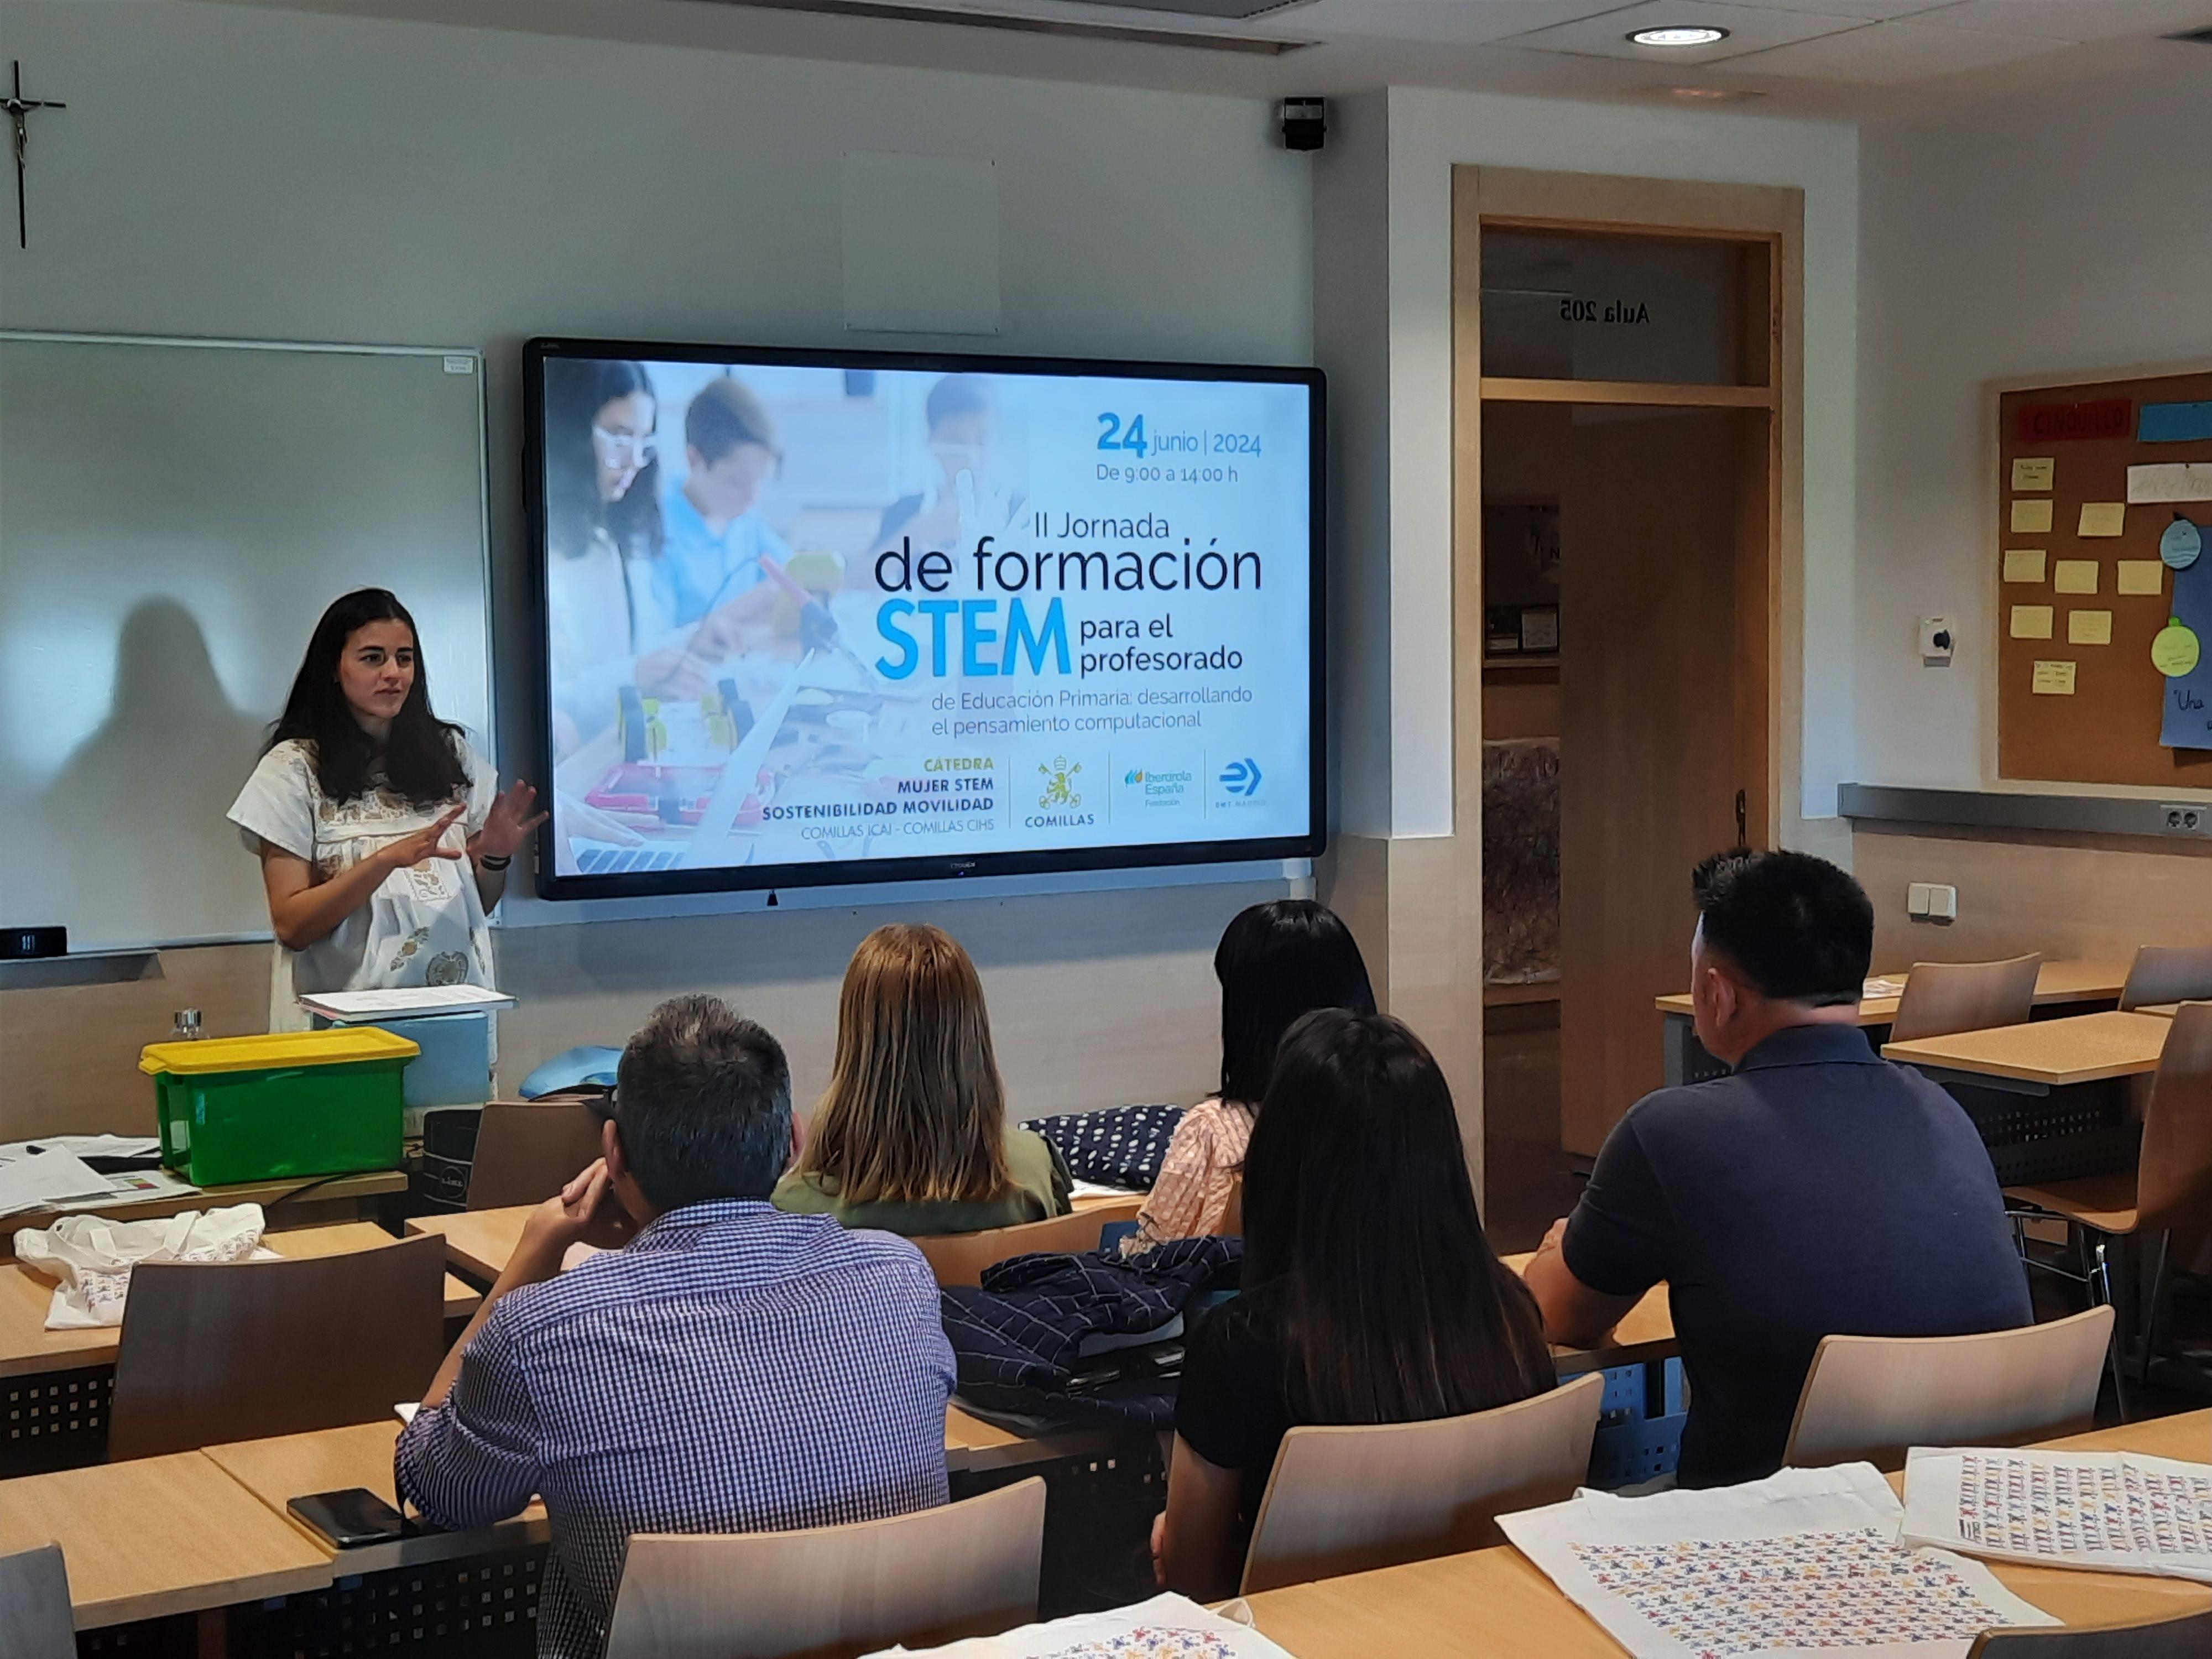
{"x":1165,"y":1627}
{"x":2113,"y":1511}
{"x":48,"y":1180}
{"x":1879,"y":987}
{"x":1796,"y":1566}
{"x":361,"y":1007}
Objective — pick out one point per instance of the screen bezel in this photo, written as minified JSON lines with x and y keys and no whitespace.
{"x":757,"y":876}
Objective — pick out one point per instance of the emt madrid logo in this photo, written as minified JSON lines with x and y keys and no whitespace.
{"x":1241,"y":778}
{"x":1060,"y":788}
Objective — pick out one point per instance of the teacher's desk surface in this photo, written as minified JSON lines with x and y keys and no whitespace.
{"x":2056,"y":983}
{"x":27,"y":1346}
{"x":479,"y":1242}
{"x":1495,"y":1604}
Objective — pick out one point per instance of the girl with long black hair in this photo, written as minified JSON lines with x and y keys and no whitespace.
{"x":1371,"y":1294}
{"x":383,"y":836}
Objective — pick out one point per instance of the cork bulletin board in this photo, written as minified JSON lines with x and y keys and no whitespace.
{"x":2102,"y":558}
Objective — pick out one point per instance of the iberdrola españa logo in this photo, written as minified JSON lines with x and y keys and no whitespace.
{"x":1059,"y":782}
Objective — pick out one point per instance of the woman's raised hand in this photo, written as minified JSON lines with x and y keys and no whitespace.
{"x":422,"y":844}
{"x":509,"y":824}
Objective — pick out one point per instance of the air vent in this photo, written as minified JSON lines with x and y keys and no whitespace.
{"x":2200,"y":36}
{"x":1066,"y":28}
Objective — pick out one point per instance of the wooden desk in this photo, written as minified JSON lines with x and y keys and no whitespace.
{"x":27,"y":1346}
{"x":1495,"y":1604}
{"x":1647,"y":1332}
{"x":479,"y":1242}
{"x":2056,"y":983}
{"x":158,"y":1535}
{"x":2043,"y":1054}
{"x":291,"y":1201}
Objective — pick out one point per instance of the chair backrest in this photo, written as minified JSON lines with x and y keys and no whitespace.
{"x":35,"y":1621}
{"x":2174,"y":1183}
{"x":529,"y":1150}
{"x":216,"y":1352}
{"x":1232,"y":1217}
{"x":960,"y":1258}
{"x":1943,"y":997}
{"x":935,"y":1575}
{"x":2189,"y":1636}
{"x":2163,"y":973}
{"x":1871,"y":1398}
{"x":1349,"y":1499}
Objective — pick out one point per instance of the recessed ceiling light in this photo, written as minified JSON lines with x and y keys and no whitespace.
{"x":1700,"y":35}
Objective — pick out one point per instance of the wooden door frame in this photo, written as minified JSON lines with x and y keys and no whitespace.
{"x":1523,"y":199}
{"x":1770,"y":639}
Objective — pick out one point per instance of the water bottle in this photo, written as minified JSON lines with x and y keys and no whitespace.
{"x":187,"y":1027}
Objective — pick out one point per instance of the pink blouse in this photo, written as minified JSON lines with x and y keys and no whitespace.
{"x":1190,"y":1200}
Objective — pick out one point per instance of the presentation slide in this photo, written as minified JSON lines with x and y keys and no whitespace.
{"x":806,"y":617}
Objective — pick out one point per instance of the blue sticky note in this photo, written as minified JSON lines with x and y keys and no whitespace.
{"x":2175,"y":423}
{"x":2188,"y":722}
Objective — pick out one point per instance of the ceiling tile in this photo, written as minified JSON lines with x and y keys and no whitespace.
{"x":1461,"y":22}
{"x":1751,"y":28}
{"x":1889,"y":54}
{"x":1871,"y":11}
{"x":2076,"y":19}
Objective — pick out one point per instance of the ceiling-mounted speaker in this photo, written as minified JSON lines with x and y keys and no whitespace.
{"x":1305,"y":123}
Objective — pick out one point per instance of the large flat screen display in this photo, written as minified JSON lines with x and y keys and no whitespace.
{"x":818,"y":616}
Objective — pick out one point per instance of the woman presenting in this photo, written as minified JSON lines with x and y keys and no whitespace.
{"x":384,"y":838}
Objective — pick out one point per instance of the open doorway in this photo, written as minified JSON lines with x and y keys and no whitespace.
{"x":1628,"y":374}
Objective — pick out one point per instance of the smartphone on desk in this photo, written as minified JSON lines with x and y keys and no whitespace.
{"x":349,"y":1518}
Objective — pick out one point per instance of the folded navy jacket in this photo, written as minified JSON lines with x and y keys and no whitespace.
{"x":1088,"y":1336}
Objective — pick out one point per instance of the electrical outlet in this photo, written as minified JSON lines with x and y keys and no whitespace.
{"x":1916,"y":899}
{"x":2186,"y":820}
{"x":1926,"y":901}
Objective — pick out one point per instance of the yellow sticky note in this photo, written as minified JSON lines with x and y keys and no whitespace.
{"x":2101,"y":518}
{"x":2023,"y":564}
{"x":2031,"y":622}
{"x":2143,"y":576}
{"x":2088,"y":628}
{"x":2033,"y":472}
{"x":2031,"y":517}
{"x":2053,"y":679}
{"x":2074,"y":576}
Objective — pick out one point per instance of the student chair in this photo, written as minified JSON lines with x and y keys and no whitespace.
{"x":1350,"y":1499}
{"x":1232,"y":1219}
{"x":1943,"y":997}
{"x":527,"y":1150}
{"x":935,"y":1575}
{"x":2168,"y":1191}
{"x":216,"y":1351}
{"x":2167,"y":974}
{"x":35,"y":1618}
{"x":960,"y":1258}
{"x":2189,"y":1636}
{"x":1869,"y":1398}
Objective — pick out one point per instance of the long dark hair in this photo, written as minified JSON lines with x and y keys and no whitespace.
{"x":1357,"y":1198}
{"x":1275,"y":961}
{"x":576,"y":390}
{"x":422,"y":759}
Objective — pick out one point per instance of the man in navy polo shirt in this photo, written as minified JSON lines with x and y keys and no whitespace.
{"x":1817,"y":1190}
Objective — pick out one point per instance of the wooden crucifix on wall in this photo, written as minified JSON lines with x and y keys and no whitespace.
{"x":18,"y":109}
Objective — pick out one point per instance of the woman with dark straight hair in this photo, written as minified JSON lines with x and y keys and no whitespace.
{"x":363,"y":801}
{"x":1371,"y":1294}
{"x":1275,"y":961}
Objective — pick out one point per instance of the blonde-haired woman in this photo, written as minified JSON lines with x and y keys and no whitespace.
{"x":912,"y":1136}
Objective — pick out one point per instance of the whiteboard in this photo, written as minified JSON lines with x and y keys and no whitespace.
{"x":174,"y":515}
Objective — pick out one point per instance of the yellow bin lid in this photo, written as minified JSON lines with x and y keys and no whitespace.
{"x":277,"y":1051}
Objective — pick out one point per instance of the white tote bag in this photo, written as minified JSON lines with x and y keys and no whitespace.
{"x":92,"y":1257}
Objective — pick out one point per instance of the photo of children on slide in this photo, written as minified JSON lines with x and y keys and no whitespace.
{"x":800,"y":613}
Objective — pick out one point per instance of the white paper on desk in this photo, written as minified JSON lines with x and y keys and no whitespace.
{"x":1166,"y":1628}
{"x":2105,"y":1511}
{"x":89,"y":1146}
{"x":1796,"y":1566}
{"x":351,"y":1007}
{"x":136,"y":1187}
{"x":1092,"y":1189}
{"x":405,"y":1410}
{"x":38,"y":1180}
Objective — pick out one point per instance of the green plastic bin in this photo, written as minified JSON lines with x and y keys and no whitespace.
{"x":290,"y":1103}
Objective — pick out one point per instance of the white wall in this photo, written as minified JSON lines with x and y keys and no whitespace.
{"x":1429,"y":132}
{"x":2072,"y":231}
{"x":249,"y":172}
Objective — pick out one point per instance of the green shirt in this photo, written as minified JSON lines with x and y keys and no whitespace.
{"x":1041,"y":1188}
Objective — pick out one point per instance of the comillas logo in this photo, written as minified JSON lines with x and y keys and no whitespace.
{"x":1059,"y":776}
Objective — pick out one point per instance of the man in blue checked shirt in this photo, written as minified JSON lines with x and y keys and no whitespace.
{"x":730,"y":1368}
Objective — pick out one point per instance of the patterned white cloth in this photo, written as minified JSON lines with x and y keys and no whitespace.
{"x":424,"y":924}
{"x":2111,"y":1511}
{"x":731,"y":1369}
{"x":1166,"y":1628}
{"x":1796,"y":1566}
